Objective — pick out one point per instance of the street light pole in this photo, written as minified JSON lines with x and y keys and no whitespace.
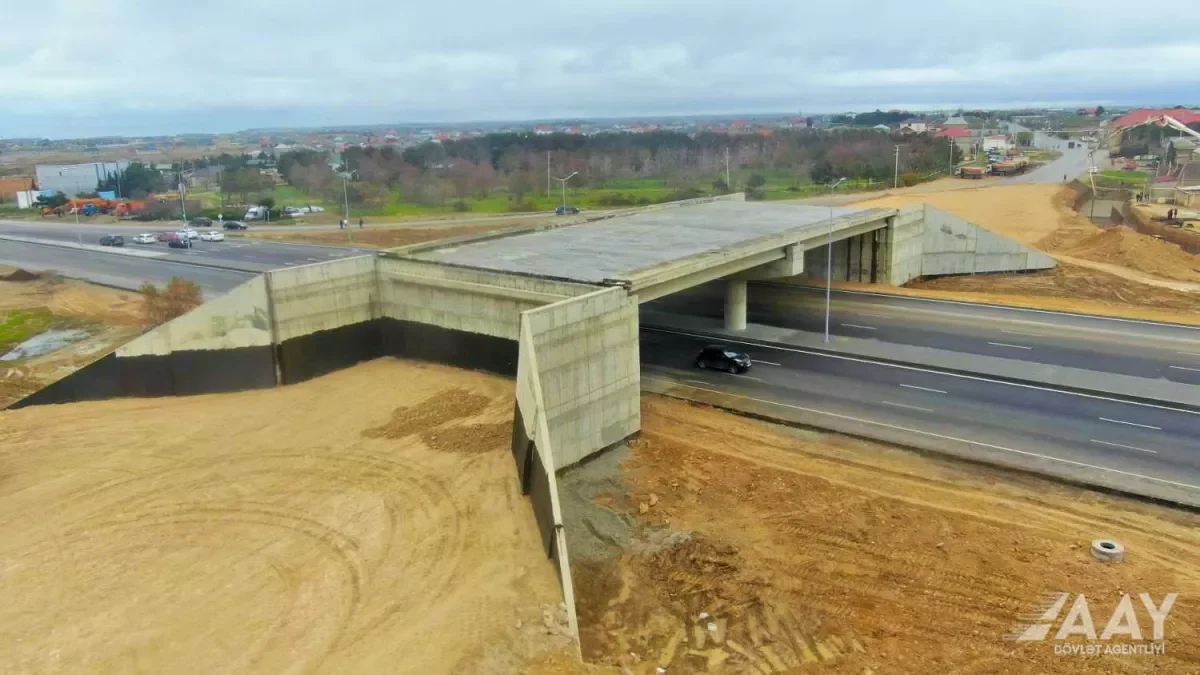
{"x":563,"y":181}
{"x":829,"y":258}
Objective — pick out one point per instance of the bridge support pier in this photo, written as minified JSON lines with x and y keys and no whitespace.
{"x":735,"y":304}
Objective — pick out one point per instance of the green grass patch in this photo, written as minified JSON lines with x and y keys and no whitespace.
{"x":19,"y":325}
{"x":1137,"y":177}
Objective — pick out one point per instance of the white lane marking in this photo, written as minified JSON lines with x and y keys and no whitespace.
{"x":766,"y":363}
{"x":1017,"y":332}
{"x":913,"y":386}
{"x":1005,"y":344}
{"x":1130,"y":424}
{"x":1010,"y":308}
{"x":696,"y":381}
{"x":747,"y":377}
{"x":1127,"y":447}
{"x":1194,"y":370}
{"x":910,"y":407}
{"x":961,"y":376}
{"x":855,"y":325}
{"x":1189,"y":353}
{"x":943,"y":437}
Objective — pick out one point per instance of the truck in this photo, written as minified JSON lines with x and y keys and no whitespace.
{"x":1070,"y":145}
{"x":972,"y":172}
{"x":1011,"y":167}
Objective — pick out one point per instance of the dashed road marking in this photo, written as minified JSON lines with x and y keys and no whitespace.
{"x":1194,"y":370}
{"x":766,"y":363}
{"x":1005,"y":344}
{"x":904,"y":405}
{"x":913,"y":386}
{"x":1127,"y":447}
{"x":1130,"y":424}
{"x":855,"y":325}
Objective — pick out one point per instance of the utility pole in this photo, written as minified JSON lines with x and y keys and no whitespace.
{"x":728,"y":185}
{"x":182,"y":203}
{"x":346,"y":196}
{"x":547,"y":174}
{"x":896,"y":181}
{"x":951,"y":139}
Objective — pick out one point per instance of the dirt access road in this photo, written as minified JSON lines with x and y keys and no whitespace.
{"x":368,"y":521}
{"x":812,"y":552}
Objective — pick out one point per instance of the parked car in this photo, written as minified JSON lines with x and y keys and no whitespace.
{"x":200,"y":223}
{"x":179,"y":240}
{"x":566,"y":211}
{"x":112,"y":240}
{"x":292,"y":212}
{"x":163,"y":236}
{"x":720,"y":357}
{"x":236,"y":225}
{"x":190,"y":233}
{"x":212,"y":235}
{"x":144,"y":238}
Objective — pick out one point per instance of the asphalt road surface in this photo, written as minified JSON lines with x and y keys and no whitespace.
{"x":117,"y":270}
{"x":1077,"y":434}
{"x":1135,"y":348}
{"x":1073,"y":163}
{"x":248,"y":254}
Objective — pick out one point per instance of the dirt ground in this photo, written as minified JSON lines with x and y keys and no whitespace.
{"x":1115,"y":272}
{"x":756,"y":548}
{"x":111,"y":318}
{"x":310,"y":528}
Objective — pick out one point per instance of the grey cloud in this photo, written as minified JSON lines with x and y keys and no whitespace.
{"x":229,"y":64}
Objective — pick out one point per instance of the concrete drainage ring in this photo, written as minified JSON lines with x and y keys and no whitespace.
{"x":1108,"y":550}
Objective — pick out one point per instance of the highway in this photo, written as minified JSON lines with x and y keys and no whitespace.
{"x":1131,"y":446}
{"x":1138,"y":349}
{"x":248,"y":254}
{"x":1073,"y":163}
{"x":117,"y":270}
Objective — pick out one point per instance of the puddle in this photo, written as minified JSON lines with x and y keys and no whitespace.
{"x":44,"y":343}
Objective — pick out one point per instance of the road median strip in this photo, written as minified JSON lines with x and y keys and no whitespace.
{"x":155,"y":256}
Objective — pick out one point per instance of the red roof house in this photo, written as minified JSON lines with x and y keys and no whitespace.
{"x":953,"y":132}
{"x":1138,"y":116}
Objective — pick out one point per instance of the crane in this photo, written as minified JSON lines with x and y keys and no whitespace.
{"x":1160,"y":120}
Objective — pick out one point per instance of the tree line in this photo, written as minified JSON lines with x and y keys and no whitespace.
{"x":516,"y":163}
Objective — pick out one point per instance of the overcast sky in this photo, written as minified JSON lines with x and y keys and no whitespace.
{"x":92,"y":67}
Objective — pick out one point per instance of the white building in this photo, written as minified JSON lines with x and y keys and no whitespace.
{"x":916,"y":126}
{"x":74,"y":179}
{"x":997,"y":142}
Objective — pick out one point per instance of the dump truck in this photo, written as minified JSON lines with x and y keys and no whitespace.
{"x":1011,"y":167}
{"x":973,"y":172}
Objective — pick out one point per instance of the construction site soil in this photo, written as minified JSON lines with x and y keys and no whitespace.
{"x":753,"y":548}
{"x":109,"y":317}
{"x":1115,"y":271}
{"x":309,"y":528}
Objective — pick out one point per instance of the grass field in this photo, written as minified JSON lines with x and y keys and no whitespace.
{"x":20,"y":325}
{"x":612,"y":194}
{"x":1137,"y":177}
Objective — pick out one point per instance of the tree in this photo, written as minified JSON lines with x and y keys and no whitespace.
{"x":822,"y":172}
{"x":137,"y":180}
{"x":1025,"y":138}
{"x":755,"y":181}
{"x":1099,"y":110}
{"x":178,"y":298}
{"x":54,"y":201}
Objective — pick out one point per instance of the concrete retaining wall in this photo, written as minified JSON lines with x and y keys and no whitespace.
{"x":903,"y":245}
{"x":223,"y":345}
{"x":474,"y":301}
{"x":952,"y":245}
{"x":323,"y":296}
{"x":589,"y":368}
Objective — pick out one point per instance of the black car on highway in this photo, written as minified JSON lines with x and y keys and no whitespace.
{"x":235,"y":225}
{"x":112,"y":240}
{"x":200,"y":223}
{"x":720,"y":357}
{"x":566,"y":211}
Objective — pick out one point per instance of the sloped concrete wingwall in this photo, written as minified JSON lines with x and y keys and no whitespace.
{"x":952,"y":245}
{"x":534,"y":456}
{"x":588,"y":364}
{"x":223,"y":345}
{"x":324,"y":316}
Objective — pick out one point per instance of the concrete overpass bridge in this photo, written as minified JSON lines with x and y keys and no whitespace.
{"x":556,"y":307}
